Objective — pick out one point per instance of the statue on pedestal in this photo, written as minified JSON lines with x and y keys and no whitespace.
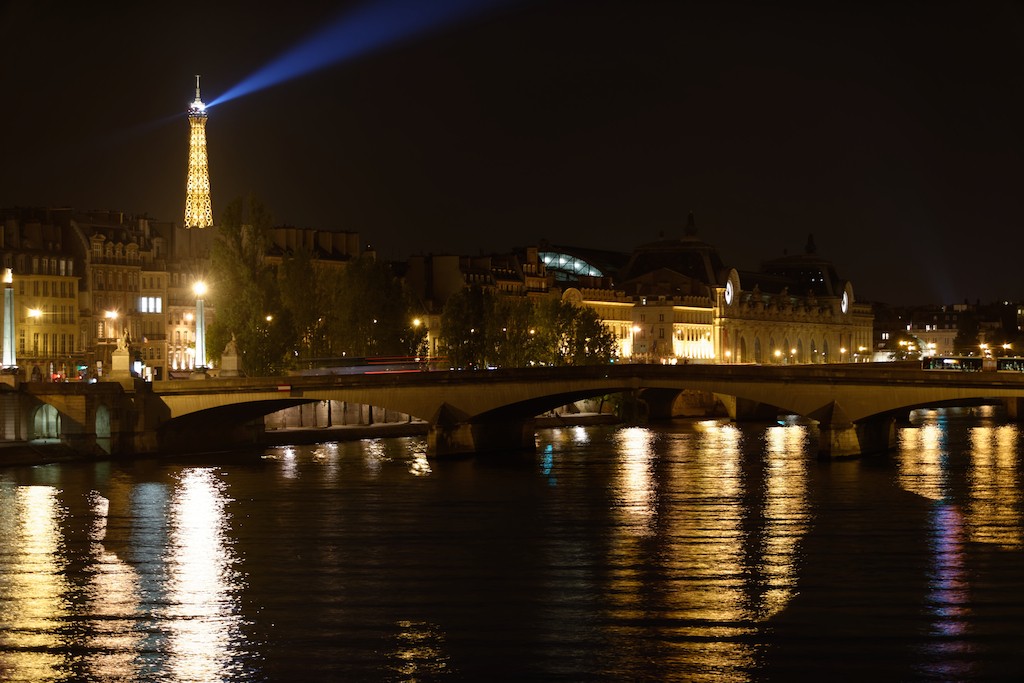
{"x":229,"y":359}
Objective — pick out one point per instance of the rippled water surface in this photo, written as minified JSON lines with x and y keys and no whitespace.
{"x":701,"y":551}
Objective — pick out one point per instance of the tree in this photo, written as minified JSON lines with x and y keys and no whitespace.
{"x":592,"y":342}
{"x":245,"y":292}
{"x":305,"y":291}
{"x":572,"y":335}
{"x":372,"y":313}
{"x":553,"y":330}
{"x":464,"y":327}
{"x":480,"y":329}
{"x":510,"y":332}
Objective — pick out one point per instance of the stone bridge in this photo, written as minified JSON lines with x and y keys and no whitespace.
{"x":855,"y":405}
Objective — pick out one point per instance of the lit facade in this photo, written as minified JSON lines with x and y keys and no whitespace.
{"x":181,"y":326}
{"x":46,"y":319}
{"x":41,"y":301}
{"x":152,"y":310}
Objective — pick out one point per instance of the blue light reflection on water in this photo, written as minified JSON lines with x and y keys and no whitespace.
{"x":696,"y":551}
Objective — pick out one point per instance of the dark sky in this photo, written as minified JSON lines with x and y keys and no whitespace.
{"x":892,"y":132}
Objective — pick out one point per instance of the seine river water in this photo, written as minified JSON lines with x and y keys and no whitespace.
{"x":697,"y":551}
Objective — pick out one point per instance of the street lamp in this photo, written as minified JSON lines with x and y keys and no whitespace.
{"x":417,"y":343}
{"x":199,"y":288}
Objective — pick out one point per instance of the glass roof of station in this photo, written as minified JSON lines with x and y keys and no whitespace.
{"x":567,"y":266}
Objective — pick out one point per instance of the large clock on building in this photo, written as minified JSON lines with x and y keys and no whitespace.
{"x":728,"y":292}
{"x":844,"y":303}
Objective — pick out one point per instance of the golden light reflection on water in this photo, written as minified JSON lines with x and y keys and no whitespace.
{"x":992,"y":507}
{"x":289,"y":469}
{"x":634,"y":491}
{"x":633,"y":497}
{"x":705,"y":556}
{"x":202,"y":614}
{"x":33,"y":594}
{"x":418,"y":652}
{"x":112,"y":598}
{"x":993,"y":511}
{"x":698,"y":514}
{"x":786,"y":515}
{"x":375,"y":454}
{"x":921,"y":451}
{"x":419,"y":465}
{"x":327,"y":455}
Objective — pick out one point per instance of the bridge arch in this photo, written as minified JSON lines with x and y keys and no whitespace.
{"x":45,"y":422}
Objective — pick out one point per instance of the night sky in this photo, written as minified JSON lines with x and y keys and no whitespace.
{"x":892,"y":132}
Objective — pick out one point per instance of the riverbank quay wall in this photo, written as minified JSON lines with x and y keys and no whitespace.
{"x":855,"y":406}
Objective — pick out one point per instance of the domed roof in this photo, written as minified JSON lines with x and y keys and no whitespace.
{"x":687,"y":256}
{"x":809,"y":272}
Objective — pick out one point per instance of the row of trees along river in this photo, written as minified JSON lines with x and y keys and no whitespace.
{"x":283,"y":315}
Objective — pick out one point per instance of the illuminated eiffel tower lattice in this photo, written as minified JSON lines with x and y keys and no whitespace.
{"x":198,"y":209}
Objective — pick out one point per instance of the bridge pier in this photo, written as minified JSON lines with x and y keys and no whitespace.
{"x":841,"y":438}
{"x":659,"y":402}
{"x":466,"y":438}
{"x":13,"y":419}
{"x":746,"y":410}
{"x":1014,"y":408}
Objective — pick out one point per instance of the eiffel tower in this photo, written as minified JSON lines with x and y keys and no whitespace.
{"x":198,"y":209}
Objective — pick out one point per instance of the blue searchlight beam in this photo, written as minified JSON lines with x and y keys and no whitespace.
{"x":357,"y":32}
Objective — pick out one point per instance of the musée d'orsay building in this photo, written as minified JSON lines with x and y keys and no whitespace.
{"x":675,"y":301}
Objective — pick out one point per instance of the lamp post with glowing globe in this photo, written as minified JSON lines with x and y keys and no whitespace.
{"x":10,"y":362}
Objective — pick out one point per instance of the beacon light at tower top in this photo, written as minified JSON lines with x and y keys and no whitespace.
{"x":197,"y":106}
